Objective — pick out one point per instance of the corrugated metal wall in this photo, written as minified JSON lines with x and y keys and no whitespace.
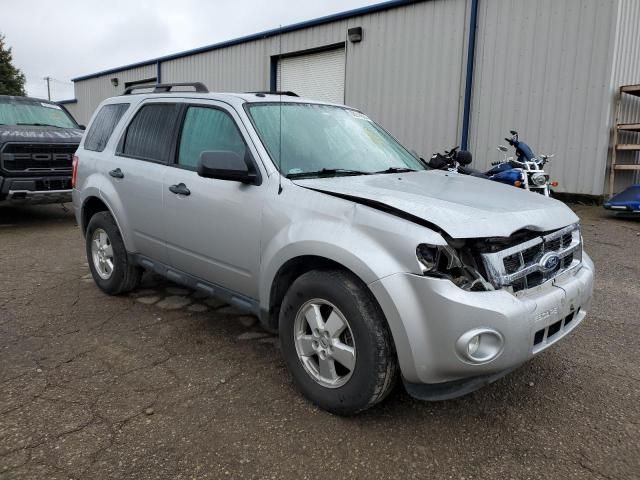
{"x":93,"y":91}
{"x":407,"y":73}
{"x":626,"y":70}
{"x":543,"y":68}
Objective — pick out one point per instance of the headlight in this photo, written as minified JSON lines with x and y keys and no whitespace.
{"x":437,"y":259}
{"x":539,"y":179}
{"x":448,"y":261}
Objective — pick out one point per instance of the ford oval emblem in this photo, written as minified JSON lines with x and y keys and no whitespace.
{"x":549,"y":262}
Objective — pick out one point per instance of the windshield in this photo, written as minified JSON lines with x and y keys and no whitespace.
{"x":21,"y":112}
{"x":319,"y":139}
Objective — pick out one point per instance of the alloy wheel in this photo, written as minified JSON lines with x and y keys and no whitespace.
{"x":102,"y":253}
{"x":324,"y":343}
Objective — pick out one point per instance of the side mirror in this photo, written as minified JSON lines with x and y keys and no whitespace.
{"x":225,"y":165}
{"x":502,"y":148}
{"x":82,"y":127}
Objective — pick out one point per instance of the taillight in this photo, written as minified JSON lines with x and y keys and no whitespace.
{"x":74,"y":174}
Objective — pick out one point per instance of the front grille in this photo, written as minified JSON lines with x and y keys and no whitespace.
{"x":535,"y":261}
{"x":37,"y":157}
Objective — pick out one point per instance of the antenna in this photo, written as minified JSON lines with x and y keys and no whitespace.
{"x":280,"y":89}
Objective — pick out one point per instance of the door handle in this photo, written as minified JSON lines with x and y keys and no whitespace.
{"x":180,"y":189}
{"x":117,"y":173}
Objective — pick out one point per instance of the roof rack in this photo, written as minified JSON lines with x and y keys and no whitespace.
{"x":287,"y":93}
{"x":199,"y":87}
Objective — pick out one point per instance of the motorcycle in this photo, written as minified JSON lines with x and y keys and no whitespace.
{"x":525,"y":171}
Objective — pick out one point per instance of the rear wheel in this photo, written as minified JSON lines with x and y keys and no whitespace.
{"x":336,"y":342}
{"x":108,"y":260}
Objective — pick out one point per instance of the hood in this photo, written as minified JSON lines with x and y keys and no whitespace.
{"x":462,"y":206}
{"x":26,"y":133}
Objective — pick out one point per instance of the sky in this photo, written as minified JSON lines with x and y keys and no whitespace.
{"x":64,"y":39}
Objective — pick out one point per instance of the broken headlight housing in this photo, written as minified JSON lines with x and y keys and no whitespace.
{"x":445,"y":261}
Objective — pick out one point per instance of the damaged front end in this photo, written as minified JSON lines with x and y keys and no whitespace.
{"x":521,"y":261}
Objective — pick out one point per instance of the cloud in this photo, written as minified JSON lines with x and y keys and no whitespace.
{"x":69,"y":38}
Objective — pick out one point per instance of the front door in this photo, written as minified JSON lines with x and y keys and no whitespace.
{"x":213,"y":227}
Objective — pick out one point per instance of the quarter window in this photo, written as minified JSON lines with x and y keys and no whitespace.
{"x":150,"y":133}
{"x":208,"y":129}
{"x":103,"y":126}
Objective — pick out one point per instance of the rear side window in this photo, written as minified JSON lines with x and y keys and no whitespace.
{"x":103,"y":126}
{"x":150,"y":134}
{"x":208,"y":129}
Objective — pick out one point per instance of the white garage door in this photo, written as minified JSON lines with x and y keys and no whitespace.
{"x":319,"y":76}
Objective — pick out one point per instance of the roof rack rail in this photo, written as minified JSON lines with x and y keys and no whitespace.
{"x":199,"y":87}
{"x":287,"y":93}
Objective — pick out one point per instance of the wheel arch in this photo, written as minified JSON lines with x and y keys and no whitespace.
{"x":90,"y":206}
{"x":93,"y":204}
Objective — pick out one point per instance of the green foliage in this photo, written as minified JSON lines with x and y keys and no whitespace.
{"x":11,"y":78}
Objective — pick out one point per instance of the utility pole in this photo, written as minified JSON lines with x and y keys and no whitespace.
{"x":48,"y":87}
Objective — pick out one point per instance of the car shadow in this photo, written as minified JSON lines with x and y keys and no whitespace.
{"x":24,"y":216}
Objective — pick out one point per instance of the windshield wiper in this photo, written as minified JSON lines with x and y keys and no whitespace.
{"x":327,"y":172}
{"x":396,"y":170}
{"x":40,"y":125}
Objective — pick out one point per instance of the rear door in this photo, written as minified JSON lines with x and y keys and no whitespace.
{"x":214,"y":231}
{"x":137,"y":171}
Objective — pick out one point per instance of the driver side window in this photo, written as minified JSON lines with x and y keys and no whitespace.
{"x":208,"y":129}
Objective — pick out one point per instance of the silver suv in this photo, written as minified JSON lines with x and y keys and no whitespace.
{"x":314,"y":218}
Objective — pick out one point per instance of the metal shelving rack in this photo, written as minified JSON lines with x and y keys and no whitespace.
{"x":633,"y":90}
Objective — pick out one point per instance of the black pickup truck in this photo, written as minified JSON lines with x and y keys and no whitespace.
{"x":37,"y":141}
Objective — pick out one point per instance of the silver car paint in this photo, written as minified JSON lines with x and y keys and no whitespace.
{"x":269,"y":228}
{"x":463,"y":206}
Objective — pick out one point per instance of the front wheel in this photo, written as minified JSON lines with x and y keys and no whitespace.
{"x":336,"y":342}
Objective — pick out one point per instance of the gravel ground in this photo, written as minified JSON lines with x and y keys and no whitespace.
{"x":166,"y":384}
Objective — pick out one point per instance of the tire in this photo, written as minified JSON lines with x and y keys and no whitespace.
{"x":375,"y":369}
{"x":124,"y":276}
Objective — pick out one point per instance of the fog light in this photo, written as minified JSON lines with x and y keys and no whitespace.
{"x":473,"y":345}
{"x":480,"y":345}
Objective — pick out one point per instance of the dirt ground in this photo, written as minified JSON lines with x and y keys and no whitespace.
{"x":161,"y":384}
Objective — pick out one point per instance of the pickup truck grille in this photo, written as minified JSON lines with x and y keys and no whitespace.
{"x":37,"y":157}
{"x":535,"y":261}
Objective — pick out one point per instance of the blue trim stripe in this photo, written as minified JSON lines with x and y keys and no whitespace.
{"x":378,"y":7}
{"x":468,"y":89}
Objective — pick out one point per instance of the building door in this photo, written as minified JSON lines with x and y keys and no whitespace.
{"x":318,"y":76}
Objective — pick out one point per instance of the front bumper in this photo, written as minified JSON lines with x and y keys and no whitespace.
{"x":36,"y":190}
{"x":428,"y":315}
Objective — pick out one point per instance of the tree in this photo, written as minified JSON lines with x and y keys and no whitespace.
{"x":11,"y":78}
